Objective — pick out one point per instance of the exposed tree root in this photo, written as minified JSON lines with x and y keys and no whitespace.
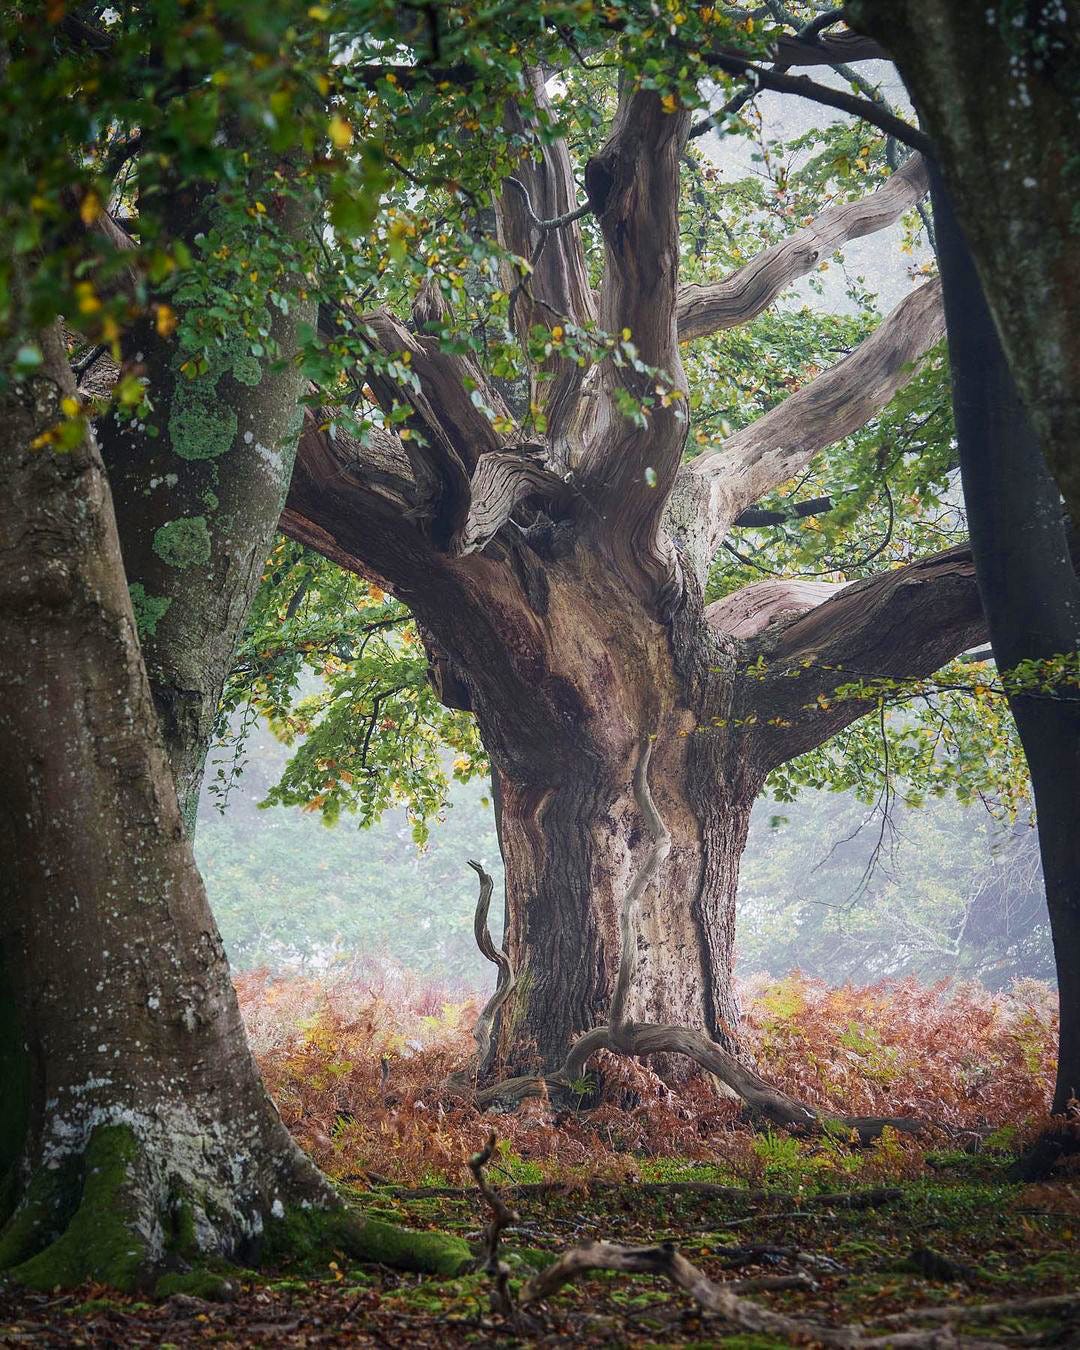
{"x":465,"y":1080}
{"x":728,"y":1299}
{"x":763,"y":1101}
{"x":1040,"y":1161}
{"x":113,"y":1212}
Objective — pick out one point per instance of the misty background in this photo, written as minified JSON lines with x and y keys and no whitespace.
{"x":939,"y":892}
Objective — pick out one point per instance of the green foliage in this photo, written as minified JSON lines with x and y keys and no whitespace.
{"x":335,"y":668}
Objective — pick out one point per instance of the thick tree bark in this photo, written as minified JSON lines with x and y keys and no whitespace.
{"x":560,"y":588}
{"x":1031,"y":596}
{"x":138,"y":1134}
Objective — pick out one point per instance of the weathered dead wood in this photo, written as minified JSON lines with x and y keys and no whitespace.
{"x":751,"y":609}
{"x":738,"y":298}
{"x":505,"y":981}
{"x":627,"y":468}
{"x":833,"y":405}
{"x":902,"y":624}
{"x":723,"y":1300}
{"x":501,"y":482}
{"x":727,"y":1300}
{"x":537,"y":215}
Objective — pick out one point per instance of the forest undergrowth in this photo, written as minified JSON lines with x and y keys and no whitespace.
{"x":359,"y":1066}
{"x":916,"y":1242}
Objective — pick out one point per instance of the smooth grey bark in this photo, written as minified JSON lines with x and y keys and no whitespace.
{"x":136,"y":1135}
{"x":123,"y":1028}
{"x":197,"y":503}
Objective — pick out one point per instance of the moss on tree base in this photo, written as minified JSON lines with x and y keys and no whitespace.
{"x":96,"y":1218}
{"x":306,"y":1235}
{"x":58,"y":1236}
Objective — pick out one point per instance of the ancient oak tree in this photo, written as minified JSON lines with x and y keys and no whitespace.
{"x":557,"y":573}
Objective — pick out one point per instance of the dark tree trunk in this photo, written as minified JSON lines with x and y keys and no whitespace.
{"x":1030,"y":593}
{"x":997,"y":86}
{"x":570,"y":847}
{"x":138,"y":1133}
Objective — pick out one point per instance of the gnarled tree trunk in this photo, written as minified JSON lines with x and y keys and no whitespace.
{"x":559,"y":585}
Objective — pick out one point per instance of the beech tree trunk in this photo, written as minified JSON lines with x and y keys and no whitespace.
{"x":136,"y":1134}
{"x":198,"y":485}
{"x":997,"y":86}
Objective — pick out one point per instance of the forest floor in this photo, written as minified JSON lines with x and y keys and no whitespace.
{"x":853,"y":1235}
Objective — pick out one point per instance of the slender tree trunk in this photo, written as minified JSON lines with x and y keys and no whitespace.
{"x":198,"y":485}
{"x":1031,"y":596}
{"x":138,"y":1134}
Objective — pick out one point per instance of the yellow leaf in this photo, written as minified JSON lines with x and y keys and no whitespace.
{"x":70,"y":406}
{"x":88,"y":301}
{"x":90,"y":208}
{"x":669,"y":103}
{"x":340,"y":133}
{"x":165,"y":320}
{"x":319,"y":13}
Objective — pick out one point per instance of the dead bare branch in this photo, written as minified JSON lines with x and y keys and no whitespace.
{"x":833,"y":405}
{"x":502,"y":1217}
{"x":725,"y":1301}
{"x":745,"y":293}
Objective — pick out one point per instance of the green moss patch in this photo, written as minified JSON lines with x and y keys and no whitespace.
{"x":101,"y":1242}
{"x":306,"y":1236}
{"x":184,"y":542}
{"x":149,"y":609}
{"x":200,"y":425}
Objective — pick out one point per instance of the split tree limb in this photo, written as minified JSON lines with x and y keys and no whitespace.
{"x":502,"y":481}
{"x":738,"y":298}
